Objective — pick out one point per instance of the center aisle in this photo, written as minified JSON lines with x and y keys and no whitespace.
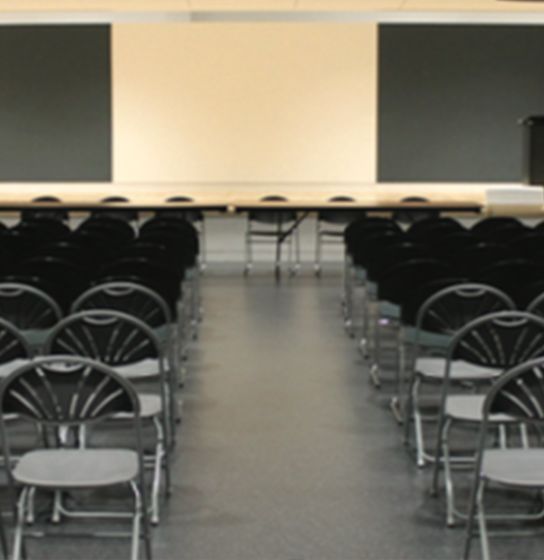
{"x":285,"y":450}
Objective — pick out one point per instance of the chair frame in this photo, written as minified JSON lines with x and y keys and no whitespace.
{"x":428,"y":307}
{"x":195,"y":217}
{"x":21,"y":395}
{"x":325,"y":234}
{"x":284,"y":226}
{"x":519,"y":355}
{"x":388,"y":294}
{"x":354,"y":275}
{"x":53,"y":213}
{"x":164,"y":421}
{"x":513,"y":394}
{"x":176,"y":238}
{"x":126,"y":214}
{"x":153,"y":311}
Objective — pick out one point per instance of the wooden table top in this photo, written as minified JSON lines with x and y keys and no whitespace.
{"x":244,"y":206}
{"x":316,"y":206}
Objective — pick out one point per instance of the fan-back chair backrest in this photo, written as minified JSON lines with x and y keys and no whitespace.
{"x":109,"y":336}
{"x":519,"y":392}
{"x":128,"y":297}
{"x":66,"y":390}
{"x":502,"y":339}
{"x":452,"y":307}
{"x":277,"y":217}
{"x":28,"y":307}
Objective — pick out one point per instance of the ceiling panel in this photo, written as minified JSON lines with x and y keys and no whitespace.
{"x":286,"y":6}
{"x":242,"y":4}
{"x":366,"y":5}
{"x":36,"y":5}
{"x":134,"y":5}
{"x":473,"y":5}
{"x":93,"y":5}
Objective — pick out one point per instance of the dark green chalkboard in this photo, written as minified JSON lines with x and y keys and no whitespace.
{"x":55,"y":103}
{"x":450,"y":97}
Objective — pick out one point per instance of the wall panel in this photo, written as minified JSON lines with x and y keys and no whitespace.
{"x":55,"y":103}
{"x":450,"y":99}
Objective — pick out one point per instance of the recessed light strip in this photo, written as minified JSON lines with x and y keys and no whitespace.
{"x":81,"y":17}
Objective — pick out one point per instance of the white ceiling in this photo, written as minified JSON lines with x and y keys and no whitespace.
{"x":275,"y":5}
{"x":492,"y":11}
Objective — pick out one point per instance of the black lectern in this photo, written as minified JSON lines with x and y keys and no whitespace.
{"x":533,"y":150}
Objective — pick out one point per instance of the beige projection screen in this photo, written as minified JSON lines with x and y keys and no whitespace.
{"x":244,"y":102}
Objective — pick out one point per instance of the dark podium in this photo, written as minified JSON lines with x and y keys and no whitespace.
{"x":533,"y":150}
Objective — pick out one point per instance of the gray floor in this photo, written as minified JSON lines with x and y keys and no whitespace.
{"x":286,"y":451}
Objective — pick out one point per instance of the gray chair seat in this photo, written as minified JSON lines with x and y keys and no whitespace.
{"x":516,"y":467}
{"x":150,"y":406}
{"x":360,"y":274}
{"x":164,"y":334}
{"x":76,"y":468}
{"x":433,"y":367}
{"x":148,"y":367}
{"x":389,"y":310}
{"x":469,"y":409}
{"x":426,"y":339}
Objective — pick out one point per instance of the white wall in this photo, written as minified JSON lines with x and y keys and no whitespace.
{"x":285,"y":104}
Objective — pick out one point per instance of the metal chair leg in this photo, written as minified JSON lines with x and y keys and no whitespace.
{"x":317,"y":262}
{"x":249,"y":253}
